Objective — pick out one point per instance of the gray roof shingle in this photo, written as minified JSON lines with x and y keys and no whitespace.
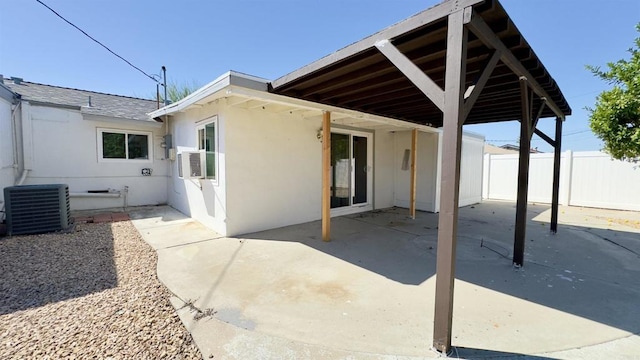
{"x":102,"y":104}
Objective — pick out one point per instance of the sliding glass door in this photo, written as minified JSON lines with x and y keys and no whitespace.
{"x":351,"y":172}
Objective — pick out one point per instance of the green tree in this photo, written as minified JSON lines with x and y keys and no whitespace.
{"x":177,"y":91}
{"x":616,"y":116}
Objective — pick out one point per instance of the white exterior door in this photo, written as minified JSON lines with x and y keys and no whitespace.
{"x":351,"y":172}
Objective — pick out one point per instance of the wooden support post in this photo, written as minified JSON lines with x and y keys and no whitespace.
{"x":453,"y":119}
{"x":556,"y":176}
{"x":414,"y":152}
{"x":523,"y":176}
{"x":326,"y":176}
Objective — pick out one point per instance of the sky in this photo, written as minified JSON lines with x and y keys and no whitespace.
{"x":199,"y":40}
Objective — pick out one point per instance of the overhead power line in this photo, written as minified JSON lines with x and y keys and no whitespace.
{"x":577,"y":132}
{"x":98,"y":42}
{"x":516,"y":140}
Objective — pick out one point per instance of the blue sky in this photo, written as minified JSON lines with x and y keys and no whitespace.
{"x":199,"y":40}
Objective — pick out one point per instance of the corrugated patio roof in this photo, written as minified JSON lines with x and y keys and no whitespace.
{"x":359,"y":77}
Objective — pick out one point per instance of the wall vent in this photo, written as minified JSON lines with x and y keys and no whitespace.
{"x":35,"y":209}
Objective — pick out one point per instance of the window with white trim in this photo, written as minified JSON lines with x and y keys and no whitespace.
{"x":124,"y":145}
{"x":207,"y":141}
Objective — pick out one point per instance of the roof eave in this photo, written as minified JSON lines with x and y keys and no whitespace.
{"x":106,"y":118}
{"x":223,"y":81}
{"x":8,"y":94}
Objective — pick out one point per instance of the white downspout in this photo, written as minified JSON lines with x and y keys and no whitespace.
{"x":14,"y":134}
{"x":14,"y":131}
{"x":27,"y":143}
{"x":23,"y":177}
{"x":27,"y":137}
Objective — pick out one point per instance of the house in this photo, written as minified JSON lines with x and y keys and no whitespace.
{"x":258,"y":153}
{"x":247,"y":159}
{"x":495,"y":150}
{"x":105,"y":147}
{"x":245,"y":154}
{"x":261,"y":156}
{"x":516,"y":148}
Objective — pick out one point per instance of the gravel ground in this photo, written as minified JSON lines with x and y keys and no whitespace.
{"x":92,"y":293}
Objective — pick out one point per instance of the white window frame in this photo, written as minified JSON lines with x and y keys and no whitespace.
{"x":200,"y":125}
{"x":126,"y":133}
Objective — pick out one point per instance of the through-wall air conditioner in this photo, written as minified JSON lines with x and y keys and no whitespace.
{"x":35,"y":209}
{"x":191,"y":164}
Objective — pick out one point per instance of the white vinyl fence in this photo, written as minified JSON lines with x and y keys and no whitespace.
{"x":589,"y":179}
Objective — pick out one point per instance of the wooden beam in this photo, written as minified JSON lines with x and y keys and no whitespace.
{"x":480,"y":28}
{"x":414,"y":152}
{"x":326,"y":176}
{"x":423,"y":18}
{"x":482,"y":81}
{"x":413,"y":73}
{"x":555,"y":193}
{"x":523,"y":177}
{"x":540,"y":111}
{"x":450,"y":180}
{"x":545,"y":137}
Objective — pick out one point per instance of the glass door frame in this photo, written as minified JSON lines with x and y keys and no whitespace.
{"x":368,"y":205}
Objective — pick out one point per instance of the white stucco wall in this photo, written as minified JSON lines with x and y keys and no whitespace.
{"x":62,"y":147}
{"x":269,"y":169}
{"x":274,"y":170}
{"x":7,"y":172}
{"x":427,"y":150}
{"x":383,"y":170}
{"x":202,"y":199}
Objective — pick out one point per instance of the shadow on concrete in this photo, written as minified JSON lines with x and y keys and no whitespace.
{"x":582,"y":270}
{"x":381,"y":241}
{"x":470,"y":353}
{"x":36,"y":270}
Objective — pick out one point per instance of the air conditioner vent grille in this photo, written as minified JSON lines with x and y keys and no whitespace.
{"x":34,"y":209}
{"x":191,"y":164}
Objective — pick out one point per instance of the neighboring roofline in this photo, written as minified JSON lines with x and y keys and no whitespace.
{"x":224,"y":80}
{"x":83,"y":90}
{"x":50,"y":104}
{"x":8,"y":94}
{"x":422,"y":18}
{"x":96,"y":117}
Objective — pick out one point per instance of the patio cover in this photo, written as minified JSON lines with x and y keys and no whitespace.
{"x":459,"y":62}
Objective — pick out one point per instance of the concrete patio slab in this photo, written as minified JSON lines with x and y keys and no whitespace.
{"x":368,"y":294}
{"x":163,"y":227}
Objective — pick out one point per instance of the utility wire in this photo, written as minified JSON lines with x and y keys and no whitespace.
{"x":98,"y":42}
{"x":563,"y":135}
{"x":577,"y":132}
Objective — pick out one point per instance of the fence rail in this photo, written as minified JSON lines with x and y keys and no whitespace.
{"x":590,"y":179}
